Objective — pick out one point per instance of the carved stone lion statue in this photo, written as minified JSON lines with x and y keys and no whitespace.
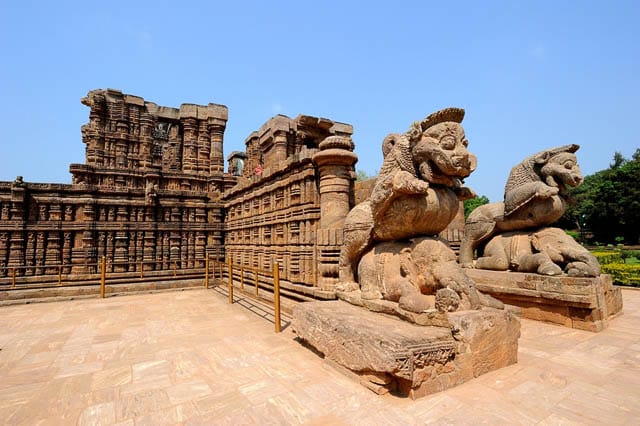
{"x":546,"y":251}
{"x":417,"y":192}
{"x":534,"y":196}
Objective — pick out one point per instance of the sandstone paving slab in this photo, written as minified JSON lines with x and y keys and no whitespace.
{"x":191,"y":358}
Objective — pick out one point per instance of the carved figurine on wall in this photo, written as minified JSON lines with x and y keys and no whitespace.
{"x":512,"y":234}
{"x":151,"y":193}
{"x":417,"y":194}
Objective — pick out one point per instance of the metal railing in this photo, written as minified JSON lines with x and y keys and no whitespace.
{"x":268,"y":281}
{"x":218,"y":270}
{"x":61,"y":275}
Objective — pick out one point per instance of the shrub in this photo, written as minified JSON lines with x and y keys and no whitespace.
{"x":630,"y":254}
{"x":622,"y":274}
{"x":606,"y":257}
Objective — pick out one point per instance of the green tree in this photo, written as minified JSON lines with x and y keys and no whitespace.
{"x":362,"y":175}
{"x":608,"y":201}
{"x":472,"y":203}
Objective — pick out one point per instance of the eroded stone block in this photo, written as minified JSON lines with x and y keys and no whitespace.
{"x":389,"y":354}
{"x":577,"y":302}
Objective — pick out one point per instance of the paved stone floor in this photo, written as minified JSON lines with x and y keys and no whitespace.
{"x":189,"y":357}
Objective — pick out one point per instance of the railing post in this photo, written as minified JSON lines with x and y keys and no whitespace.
{"x":59,"y":274}
{"x":242,"y":278}
{"x":276,"y":294}
{"x":230,"y":280}
{"x":103,"y":276}
{"x":255,"y":276}
{"x":13,"y":277}
{"x":206,"y":272}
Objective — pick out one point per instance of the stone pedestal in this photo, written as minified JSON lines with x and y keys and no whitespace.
{"x":583,"y":303}
{"x":388,"y":354}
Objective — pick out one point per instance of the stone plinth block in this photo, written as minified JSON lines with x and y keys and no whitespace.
{"x":388,"y":354}
{"x":583,"y":303}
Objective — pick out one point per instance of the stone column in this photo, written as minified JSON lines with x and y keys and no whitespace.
{"x":52,"y":252}
{"x":335,"y":162}
{"x":190,"y":145}
{"x":66,"y":251}
{"x":204,"y":148}
{"x":88,"y":252}
{"x":16,"y":251}
{"x":200,"y":254}
{"x":30,"y":252}
{"x":149,"y":254}
{"x":4,"y":245}
{"x":216,"y":157}
{"x":40,"y":251}
{"x":279,"y":156}
{"x":17,"y":212}
{"x":146,"y":140}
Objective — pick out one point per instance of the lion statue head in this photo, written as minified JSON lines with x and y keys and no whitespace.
{"x":439,"y":148}
{"x":550,"y":172}
{"x":562,"y":171}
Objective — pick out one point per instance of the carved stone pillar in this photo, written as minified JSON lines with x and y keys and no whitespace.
{"x":146,"y":140}
{"x":30,"y":253}
{"x":4,"y":244}
{"x":216,"y":157}
{"x":190,"y":145}
{"x":190,"y":242}
{"x":139,"y":247}
{"x":120,"y":253}
{"x":150,"y":251}
{"x":204,"y":148}
{"x":17,"y":199}
{"x":166,"y":251}
{"x":121,"y":152}
{"x":16,"y":251}
{"x":335,"y":162}
{"x":133,"y":242}
{"x":184,"y":250}
{"x":109,"y":251}
{"x":175,"y":240}
{"x":201,"y":242}
{"x":40,"y":252}
{"x":66,"y":252}
{"x":52,"y":253}
{"x":279,"y":156}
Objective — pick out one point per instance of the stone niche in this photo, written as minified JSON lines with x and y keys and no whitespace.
{"x":388,"y":354}
{"x":577,"y":302}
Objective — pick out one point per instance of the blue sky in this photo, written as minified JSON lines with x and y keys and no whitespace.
{"x":530,"y":75}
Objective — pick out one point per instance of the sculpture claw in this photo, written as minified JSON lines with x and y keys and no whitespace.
{"x":547,"y":192}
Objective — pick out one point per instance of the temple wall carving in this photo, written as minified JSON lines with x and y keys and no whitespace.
{"x":153,"y":193}
{"x":275,"y":212}
{"x":149,"y":191}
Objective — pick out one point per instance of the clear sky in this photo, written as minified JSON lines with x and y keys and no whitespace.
{"x":530,"y":74}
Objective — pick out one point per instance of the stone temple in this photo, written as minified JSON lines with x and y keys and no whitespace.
{"x":390,"y":299}
{"x":154,"y":191}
